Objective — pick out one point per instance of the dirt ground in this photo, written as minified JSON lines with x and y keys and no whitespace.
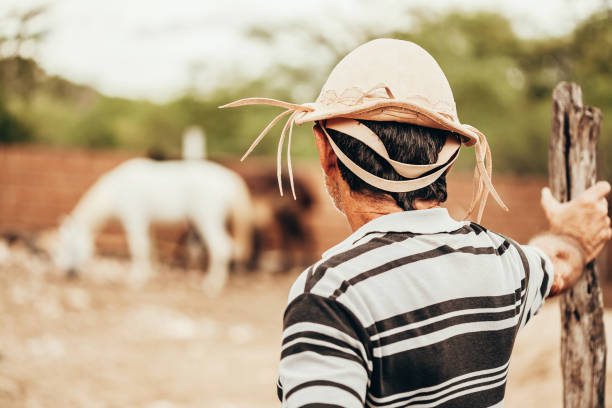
{"x":94,"y":342}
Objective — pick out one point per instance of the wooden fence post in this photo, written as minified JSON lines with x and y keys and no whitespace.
{"x":571,"y":170}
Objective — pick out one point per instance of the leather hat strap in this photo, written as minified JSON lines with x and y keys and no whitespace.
{"x":400,"y":186}
{"x":363,"y":133}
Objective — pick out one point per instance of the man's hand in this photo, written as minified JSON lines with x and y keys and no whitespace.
{"x":579,"y":229}
{"x":584,"y":219}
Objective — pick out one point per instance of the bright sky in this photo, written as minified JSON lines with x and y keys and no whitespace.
{"x":149,"y":48}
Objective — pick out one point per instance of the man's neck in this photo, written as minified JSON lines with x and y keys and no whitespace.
{"x":360,"y":209}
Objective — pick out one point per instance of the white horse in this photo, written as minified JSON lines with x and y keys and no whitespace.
{"x":140,"y":191}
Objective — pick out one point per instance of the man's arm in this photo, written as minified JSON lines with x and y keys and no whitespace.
{"x":323,"y":361}
{"x":579,"y":229}
{"x":566,"y":256}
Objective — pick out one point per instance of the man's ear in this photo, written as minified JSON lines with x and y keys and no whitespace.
{"x":327,"y":156}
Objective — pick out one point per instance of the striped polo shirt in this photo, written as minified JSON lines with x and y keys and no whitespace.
{"x":414,"y":309}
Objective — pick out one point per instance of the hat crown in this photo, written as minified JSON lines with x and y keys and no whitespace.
{"x":410,"y":72}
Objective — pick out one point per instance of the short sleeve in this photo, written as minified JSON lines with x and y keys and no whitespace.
{"x":539,"y":276}
{"x":323,"y":361}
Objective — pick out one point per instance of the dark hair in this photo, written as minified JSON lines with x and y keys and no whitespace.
{"x":406,"y":143}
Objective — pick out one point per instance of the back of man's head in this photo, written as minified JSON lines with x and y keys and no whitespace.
{"x":405,"y":143}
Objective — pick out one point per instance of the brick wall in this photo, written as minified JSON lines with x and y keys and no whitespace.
{"x":39,"y":184}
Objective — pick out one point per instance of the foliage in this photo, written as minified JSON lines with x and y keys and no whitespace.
{"x":11,"y":129}
{"x":502,"y":85}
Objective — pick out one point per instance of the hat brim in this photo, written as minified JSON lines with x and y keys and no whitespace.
{"x":389,"y":110}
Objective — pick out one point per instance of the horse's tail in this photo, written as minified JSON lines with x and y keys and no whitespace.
{"x":241,"y":219}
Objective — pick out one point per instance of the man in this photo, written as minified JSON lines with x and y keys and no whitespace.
{"x":414,"y":308}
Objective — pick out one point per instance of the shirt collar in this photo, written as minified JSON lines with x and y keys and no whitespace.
{"x":428,"y":221}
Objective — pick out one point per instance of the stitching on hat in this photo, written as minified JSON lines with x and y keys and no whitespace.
{"x":355,"y":96}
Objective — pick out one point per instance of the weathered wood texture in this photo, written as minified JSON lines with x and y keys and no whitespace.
{"x":572,"y":169}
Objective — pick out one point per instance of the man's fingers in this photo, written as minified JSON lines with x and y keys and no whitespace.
{"x":603,"y":205}
{"x":596,"y":251}
{"x":549,"y":203}
{"x":599,"y":243}
{"x":605,"y":234}
{"x":597,"y":191}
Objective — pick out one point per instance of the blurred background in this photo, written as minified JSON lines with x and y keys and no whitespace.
{"x":86,"y":86}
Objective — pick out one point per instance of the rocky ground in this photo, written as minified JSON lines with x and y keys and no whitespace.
{"x":94,"y":342}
